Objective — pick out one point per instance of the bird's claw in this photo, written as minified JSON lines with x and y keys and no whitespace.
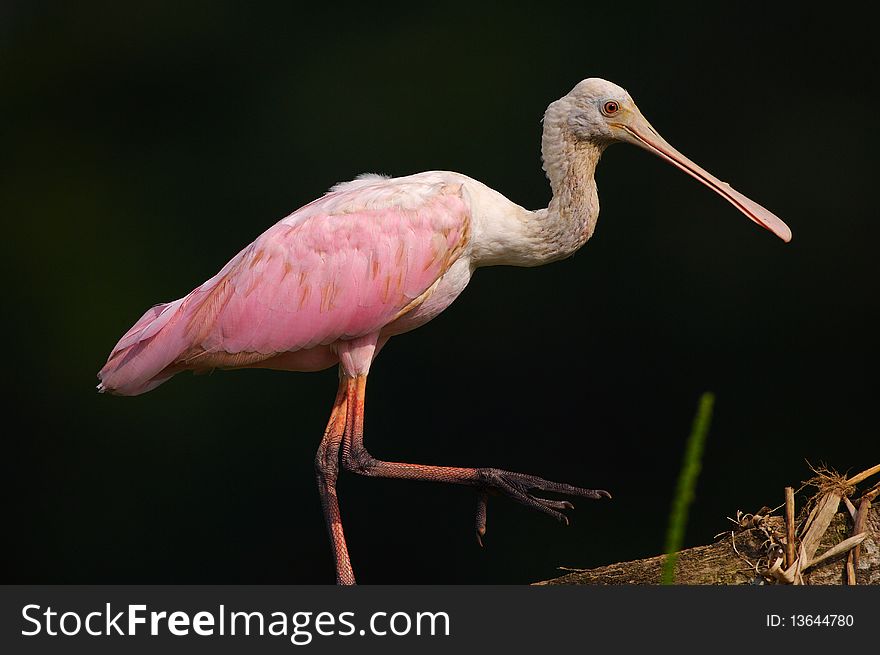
{"x":519,"y":486}
{"x":482,"y":499}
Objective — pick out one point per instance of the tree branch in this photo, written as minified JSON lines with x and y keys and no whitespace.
{"x":757,"y":550}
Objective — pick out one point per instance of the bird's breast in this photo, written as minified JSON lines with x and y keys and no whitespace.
{"x":442,"y":294}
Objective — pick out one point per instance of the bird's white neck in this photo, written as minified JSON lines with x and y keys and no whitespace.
{"x":518,"y":237}
{"x":570,"y":165}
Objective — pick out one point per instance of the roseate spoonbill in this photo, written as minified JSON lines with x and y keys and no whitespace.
{"x":376,"y":257}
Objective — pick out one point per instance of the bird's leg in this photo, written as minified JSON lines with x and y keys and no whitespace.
{"x":327,"y":470}
{"x":517,"y":486}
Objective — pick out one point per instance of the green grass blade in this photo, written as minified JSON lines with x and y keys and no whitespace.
{"x":687,"y":482}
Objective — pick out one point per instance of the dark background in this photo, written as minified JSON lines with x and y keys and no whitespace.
{"x":142,"y":146}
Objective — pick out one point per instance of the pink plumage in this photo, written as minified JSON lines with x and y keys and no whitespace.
{"x":346,"y":265}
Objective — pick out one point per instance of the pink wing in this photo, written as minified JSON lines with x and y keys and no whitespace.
{"x":341,"y":267}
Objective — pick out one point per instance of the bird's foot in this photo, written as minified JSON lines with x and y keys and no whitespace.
{"x":519,"y":487}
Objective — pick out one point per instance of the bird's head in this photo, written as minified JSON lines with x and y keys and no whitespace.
{"x":602,"y":113}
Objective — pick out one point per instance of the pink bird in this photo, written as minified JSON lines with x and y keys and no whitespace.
{"x":375,"y":257}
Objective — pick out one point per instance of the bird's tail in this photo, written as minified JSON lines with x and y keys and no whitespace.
{"x":140,"y":360}
{"x":146,"y":355}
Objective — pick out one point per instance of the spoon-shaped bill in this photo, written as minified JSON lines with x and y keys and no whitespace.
{"x":644,"y":135}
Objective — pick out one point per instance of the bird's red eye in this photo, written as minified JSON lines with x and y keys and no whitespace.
{"x":610,"y":108}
